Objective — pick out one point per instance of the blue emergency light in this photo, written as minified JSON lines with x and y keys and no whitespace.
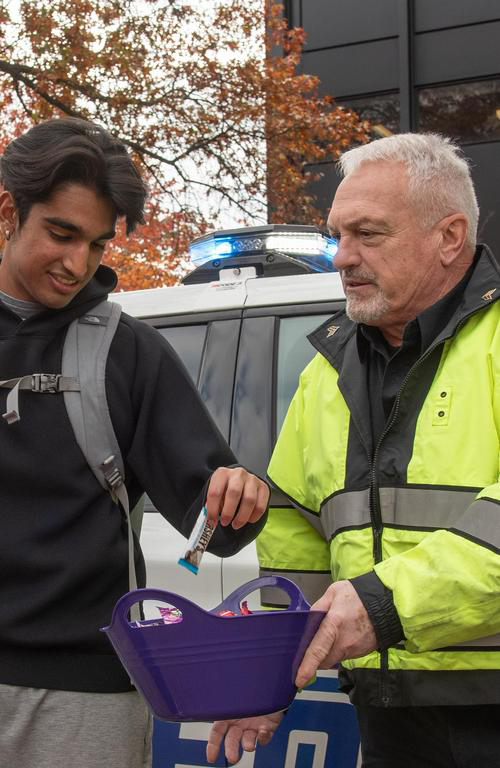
{"x":301,"y":244}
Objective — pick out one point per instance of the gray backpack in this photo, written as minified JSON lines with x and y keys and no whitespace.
{"x":82,"y":382}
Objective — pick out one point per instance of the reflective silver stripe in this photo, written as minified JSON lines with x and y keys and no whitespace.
{"x":278,"y":499}
{"x":491,"y":640}
{"x":345,"y":510}
{"x":482,"y":522}
{"x":312,"y":586}
{"x":409,"y":507}
{"x":424,"y":507}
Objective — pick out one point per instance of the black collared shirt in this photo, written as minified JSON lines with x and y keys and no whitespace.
{"x":387,"y":366}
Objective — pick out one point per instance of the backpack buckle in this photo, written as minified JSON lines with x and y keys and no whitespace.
{"x":45,"y":382}
{"x":112,"y":474}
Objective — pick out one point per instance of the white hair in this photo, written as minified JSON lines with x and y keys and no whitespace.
{"x":439,"y":179}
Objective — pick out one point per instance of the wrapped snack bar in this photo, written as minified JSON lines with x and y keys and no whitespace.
{"x":197,"y":543}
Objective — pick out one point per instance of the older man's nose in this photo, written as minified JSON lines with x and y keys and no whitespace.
{"x":347,"y":253}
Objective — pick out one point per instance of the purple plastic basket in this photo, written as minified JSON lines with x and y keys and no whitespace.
{"x":209,"y":667}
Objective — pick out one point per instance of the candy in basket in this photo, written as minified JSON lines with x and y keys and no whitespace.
{"x":218,"y":664}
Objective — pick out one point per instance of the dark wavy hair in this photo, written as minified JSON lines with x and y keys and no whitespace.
{"x":65,"y":150}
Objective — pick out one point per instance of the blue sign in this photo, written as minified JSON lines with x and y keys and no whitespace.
{"x":319,"y":731}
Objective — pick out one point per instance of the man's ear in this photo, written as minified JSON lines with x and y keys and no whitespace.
{"x":8,"y":214}
{"x":453,"y":232}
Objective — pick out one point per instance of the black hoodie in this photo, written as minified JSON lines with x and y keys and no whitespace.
{"x":63,"y":543}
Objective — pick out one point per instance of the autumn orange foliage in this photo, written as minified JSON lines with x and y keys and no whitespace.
{"x":206,"y":94}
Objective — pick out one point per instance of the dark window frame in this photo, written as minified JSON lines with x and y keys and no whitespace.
{"x":263,"y":347}
{"x":451,"y":84}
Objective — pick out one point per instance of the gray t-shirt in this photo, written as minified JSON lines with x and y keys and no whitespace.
{"x":23,"y":309}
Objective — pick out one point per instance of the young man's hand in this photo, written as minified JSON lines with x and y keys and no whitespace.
{"x":236,"y":497}
{"x":245,"y":733}
{"x":346,"y":632}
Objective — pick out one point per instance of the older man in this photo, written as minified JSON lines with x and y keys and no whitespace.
{"x":392,"y":444}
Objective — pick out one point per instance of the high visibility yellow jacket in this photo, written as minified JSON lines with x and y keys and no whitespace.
{"x":421,"y":508}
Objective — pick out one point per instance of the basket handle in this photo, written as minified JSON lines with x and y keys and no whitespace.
{"x":232,"y":601}
{"x":122,"y":607}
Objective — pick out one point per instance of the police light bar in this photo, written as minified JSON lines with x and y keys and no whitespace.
{"x":304,"y":244}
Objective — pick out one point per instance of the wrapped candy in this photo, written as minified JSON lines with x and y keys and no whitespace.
{"x":197,"y":543}
{"x":245,"y":611}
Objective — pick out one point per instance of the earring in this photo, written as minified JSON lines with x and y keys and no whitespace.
{"x":8,"y":234}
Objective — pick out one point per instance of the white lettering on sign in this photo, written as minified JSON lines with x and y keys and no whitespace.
{"x":318,"y":738}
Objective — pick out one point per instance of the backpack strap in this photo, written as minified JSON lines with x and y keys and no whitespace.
{"x":84,"y":357}
{"x":83,"y":384}
{"x":36,"y":382}
{"x":85,"y":354}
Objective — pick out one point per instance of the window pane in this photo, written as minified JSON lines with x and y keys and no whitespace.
{"x":188,"y":341}
{"x":466,"y":111}
{"x":382,"y":113}
{"x":294,"y":353}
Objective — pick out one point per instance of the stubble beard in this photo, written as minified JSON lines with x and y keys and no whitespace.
{"x":368,"y":311}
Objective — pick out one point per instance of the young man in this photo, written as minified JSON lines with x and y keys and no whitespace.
{"x":64,"y":697}
{"x":392,"y":444}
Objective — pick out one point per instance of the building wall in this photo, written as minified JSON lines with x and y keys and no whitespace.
{"x":413,"y":65}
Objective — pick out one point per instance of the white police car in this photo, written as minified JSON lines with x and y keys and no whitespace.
{"x":239,"y":322}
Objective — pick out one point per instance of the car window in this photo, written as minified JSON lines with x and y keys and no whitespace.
{"x":188,"y":341}
{"x":294,"y":353}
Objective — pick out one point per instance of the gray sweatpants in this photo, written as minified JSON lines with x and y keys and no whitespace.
{"x":66,"y":729}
